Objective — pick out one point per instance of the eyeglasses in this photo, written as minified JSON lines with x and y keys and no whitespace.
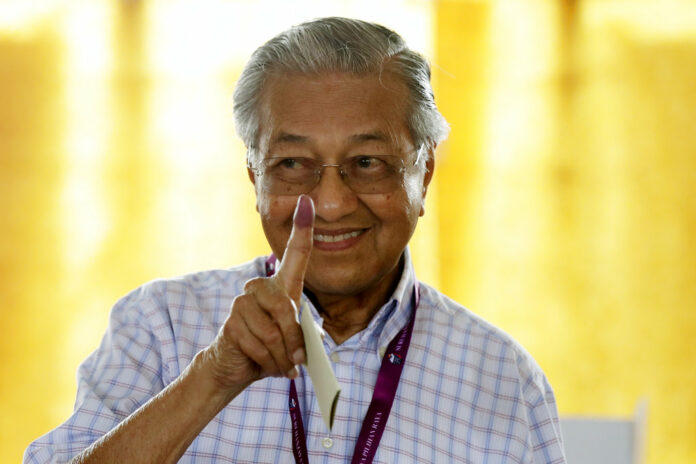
{"x":361,"y":173}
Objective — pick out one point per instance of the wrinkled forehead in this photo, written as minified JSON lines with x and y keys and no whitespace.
{"x":331,"y":109}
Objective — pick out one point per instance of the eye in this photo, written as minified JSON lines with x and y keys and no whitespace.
{"x":290,"y":169}
{"x":281,"y":164}
{"x":288,"y":163}
{"x":369,"y":162}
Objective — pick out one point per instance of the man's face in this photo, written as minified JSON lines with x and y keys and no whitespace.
{"x":358,"y":238}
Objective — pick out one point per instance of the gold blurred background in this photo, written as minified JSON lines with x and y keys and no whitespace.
{"x":563,"y":207}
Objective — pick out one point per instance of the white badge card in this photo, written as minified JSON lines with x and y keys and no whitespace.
{"x":319,"y":367}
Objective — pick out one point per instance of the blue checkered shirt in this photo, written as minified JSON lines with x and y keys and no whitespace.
{"x":468,"y":392}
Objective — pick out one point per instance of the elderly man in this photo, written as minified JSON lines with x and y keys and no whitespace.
{"x":341,"y":128}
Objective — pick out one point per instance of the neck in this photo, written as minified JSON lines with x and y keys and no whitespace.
{"x":344,"y":316}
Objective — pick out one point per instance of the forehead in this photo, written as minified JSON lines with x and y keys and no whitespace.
{"x":333,"y":108}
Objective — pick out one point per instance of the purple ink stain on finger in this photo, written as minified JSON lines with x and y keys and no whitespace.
{"x":304,"y":212}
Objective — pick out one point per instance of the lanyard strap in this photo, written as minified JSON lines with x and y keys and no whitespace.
{"x":299,"y":439}
{"x":382,"y":398}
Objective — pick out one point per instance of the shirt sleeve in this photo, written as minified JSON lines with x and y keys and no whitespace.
{"x":115,"y":380}
{"x":544,"y":442}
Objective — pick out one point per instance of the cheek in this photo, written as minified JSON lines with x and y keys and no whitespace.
{"x":273,"y":208}
{"x":276,"y":220}
{"x":395,"y":210}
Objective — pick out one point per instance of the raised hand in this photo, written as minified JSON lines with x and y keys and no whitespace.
{"x":261,"y":336}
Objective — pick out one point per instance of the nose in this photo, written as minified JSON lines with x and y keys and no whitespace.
{"x":333,"y":199}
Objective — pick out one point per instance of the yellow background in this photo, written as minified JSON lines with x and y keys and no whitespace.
{"x":563,"y":207}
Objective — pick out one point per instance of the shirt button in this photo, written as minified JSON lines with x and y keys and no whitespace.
{"x":335,"y":357}
{"x":326,"y":442}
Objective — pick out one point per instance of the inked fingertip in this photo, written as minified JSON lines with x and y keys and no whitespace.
{"x":304,"y":212}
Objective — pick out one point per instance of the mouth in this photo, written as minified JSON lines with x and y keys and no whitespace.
{"x":337,"y":237}
{"x":337,"y":240}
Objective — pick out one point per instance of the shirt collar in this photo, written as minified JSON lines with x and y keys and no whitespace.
{"x":397,"y":311}
{"x":388,"y":320}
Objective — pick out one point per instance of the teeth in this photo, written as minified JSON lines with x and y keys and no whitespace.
{"x":336,"y":238}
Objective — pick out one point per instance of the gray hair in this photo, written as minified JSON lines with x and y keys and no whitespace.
{"x":339,"y":45}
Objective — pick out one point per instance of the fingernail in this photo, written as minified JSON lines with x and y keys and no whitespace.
{"x":294,"y":372}
{"x":304,"y":212}
{"x":298,"y":357}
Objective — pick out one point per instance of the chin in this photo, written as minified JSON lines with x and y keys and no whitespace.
{"x":338,"y":287}
{"x":342,"y":281}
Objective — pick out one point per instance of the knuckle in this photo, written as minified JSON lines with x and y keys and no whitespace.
{"x":294,"y":280}
{"x":240,"y":302}
{"x":253,"y":284}
{"x":303,"y":247}
{"x":295,"y":336}
{"x":266,"y":360}
{"x":289,"y":326}
{"x":272,"y":337}
{"x":232,"y":325}
{"x":229,"y":328}
{"x":230,"y":331}
{"x":280,"y":306}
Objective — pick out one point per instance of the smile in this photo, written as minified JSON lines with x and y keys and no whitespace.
{"x":337,"y":237}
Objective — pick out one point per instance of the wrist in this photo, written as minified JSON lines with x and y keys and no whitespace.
{"x":217,"y":389}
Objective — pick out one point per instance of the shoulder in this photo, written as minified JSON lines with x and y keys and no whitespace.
{"x":202,"y":282}
{"x":190,"y":290}
{"x":183,"y":312}
{"x":479,"y":343}
{"x":483,"y":376}
{"x":172,"y":319}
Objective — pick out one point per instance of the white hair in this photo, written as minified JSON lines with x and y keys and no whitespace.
{"x":344,"y":45}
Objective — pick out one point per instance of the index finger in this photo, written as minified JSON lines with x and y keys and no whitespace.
{"x":292,"y":267}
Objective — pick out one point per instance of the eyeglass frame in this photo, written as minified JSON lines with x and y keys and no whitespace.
{"x":319,"y":170}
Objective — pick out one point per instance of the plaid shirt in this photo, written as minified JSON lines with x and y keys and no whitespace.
{"x":468,"y":392}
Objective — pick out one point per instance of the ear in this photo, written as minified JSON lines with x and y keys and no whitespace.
{"x":430,"y":167}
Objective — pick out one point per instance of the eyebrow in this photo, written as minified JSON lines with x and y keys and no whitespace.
{"x":285,"y":137}
{"x":377,"y":136}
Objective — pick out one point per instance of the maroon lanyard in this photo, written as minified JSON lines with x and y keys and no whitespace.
{"x":382,"y":398}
